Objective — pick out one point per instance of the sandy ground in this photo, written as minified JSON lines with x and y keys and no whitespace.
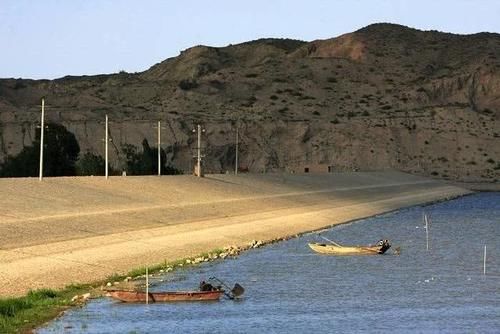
{"x":75,"y":230}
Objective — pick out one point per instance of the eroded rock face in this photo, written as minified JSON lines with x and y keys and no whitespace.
{"x":385,"y":96}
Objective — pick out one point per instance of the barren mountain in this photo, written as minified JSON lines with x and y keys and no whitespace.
{"x":385,"y":96}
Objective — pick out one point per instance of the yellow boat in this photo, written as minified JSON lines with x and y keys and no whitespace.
{"x":335,"y":249}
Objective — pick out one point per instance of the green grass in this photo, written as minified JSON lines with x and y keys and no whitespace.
{"x":22,"y":314}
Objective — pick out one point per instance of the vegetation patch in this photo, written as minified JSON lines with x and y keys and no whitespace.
{"x":60,"y":145}
{"x":188,"y":84}
{"x":22,"y":314}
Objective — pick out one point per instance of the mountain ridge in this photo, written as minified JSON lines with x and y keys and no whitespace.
{"x":369,"y":99}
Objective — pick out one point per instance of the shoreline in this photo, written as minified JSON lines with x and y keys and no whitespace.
{"x":378,"y":193}
{"x":80,"y":248}
{"x":136,"y":276}
{"x":228,"y":253}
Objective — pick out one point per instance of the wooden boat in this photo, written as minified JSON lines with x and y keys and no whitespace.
{"x":156,"y":297}
{"x":335,"y":249}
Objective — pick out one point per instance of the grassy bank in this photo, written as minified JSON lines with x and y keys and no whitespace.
{"x":24,"y":314}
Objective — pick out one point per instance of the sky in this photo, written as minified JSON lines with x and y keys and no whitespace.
{"x":47,"y":39}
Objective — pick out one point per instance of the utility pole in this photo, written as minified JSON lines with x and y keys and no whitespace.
{"x":106,"y":148}
{"x":159,"y":148}
{"x":198,"y":149}
{"x":42,"y":127}
{"x":236,"y":157}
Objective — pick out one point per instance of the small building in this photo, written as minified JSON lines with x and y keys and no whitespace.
{"x":312,"y":168}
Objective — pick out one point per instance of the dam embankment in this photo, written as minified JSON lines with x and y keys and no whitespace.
{"x":84,"y":229}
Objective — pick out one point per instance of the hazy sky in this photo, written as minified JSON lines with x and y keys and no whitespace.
{"x":53,"y":38}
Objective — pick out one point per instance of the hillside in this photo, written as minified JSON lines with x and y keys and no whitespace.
{"x":383,"y":97}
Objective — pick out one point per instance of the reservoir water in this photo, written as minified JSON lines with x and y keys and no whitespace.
{"x":290,"y":289}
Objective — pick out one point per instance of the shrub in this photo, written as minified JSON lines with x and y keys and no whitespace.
{"x":19,"y":84}
{"x":250,"y":102}
{"x":188,"y":84}
{"x":145,"y":162}
{"x":60,"y":153}
{"x":90,"y":164}
{"x":10,"y":307}
{"x":43,"y":294}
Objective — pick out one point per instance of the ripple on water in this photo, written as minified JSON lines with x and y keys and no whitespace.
{"x":289,"y":289}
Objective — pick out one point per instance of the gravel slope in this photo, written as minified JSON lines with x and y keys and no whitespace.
{"x":71,"y":230}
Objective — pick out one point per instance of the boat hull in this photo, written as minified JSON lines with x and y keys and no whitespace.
{"x":345,"y":250}
{"x":162,"y":297}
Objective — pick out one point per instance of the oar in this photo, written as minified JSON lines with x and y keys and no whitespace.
{"x":233,"y":293}
{"x":336,"y":244}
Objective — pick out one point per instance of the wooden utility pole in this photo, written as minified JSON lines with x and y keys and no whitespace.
{"x":42,"y":128}
{"x":106,"y":140}
{"x":236,"y":158}
{"x":159,"y":148}
{"x":198,"y":162}
{"x":199,"y":130}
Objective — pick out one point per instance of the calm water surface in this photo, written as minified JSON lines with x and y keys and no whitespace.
{"x":290,"y":289}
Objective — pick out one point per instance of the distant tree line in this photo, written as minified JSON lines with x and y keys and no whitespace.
{"x":61,"y":158}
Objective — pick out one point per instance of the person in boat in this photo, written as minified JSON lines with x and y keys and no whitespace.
{"x":383,"y":242}
{"x":384,"y":245}
{"x":205,"y":286}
